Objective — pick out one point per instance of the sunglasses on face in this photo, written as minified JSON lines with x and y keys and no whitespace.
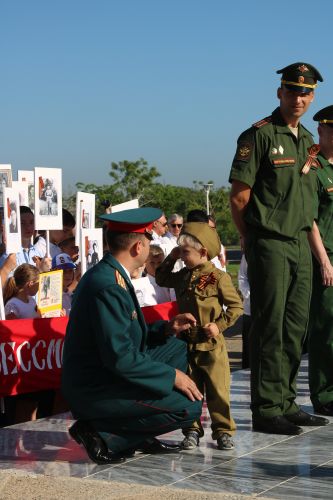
{"x":177,"y":225}
{"x":163,"y":224}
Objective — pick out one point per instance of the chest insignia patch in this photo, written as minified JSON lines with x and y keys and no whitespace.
{"x":281,"y":150}
{"x":284,"y":161}
{"x":120,"y":280}
{"x":274,"y":151}
{"x":244,"y":151}
{"x":311,"y":160}
{"x":205,"y":280}
{"x":134,"y":315}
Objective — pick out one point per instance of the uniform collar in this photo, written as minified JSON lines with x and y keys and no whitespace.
{"x":282,"y":128}
{"x":112,"y":261}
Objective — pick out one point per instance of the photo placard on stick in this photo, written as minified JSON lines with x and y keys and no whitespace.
{"x":2,"y":307}
{"x":85,"y":213}
{"x":91,"y":248}
{"x":50,"y":294}
{"x":12,"y":220}
{"x":28,"y":176}
{"x":23,"y":190}
{"x":5,"y":180}
{"x":48,"y":198}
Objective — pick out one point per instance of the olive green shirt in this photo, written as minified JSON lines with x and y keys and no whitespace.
{"x":269,"y":159}
{"x":324,"y":202}
{"x":203,"y":291}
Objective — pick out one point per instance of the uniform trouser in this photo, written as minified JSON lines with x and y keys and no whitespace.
{"x":144,"y":419}
{"x":210,"y":371}
{"x":320,"y":341}
{"x":280,"y":274}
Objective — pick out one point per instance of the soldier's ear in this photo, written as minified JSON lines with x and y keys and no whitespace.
{"x":278,"y":93}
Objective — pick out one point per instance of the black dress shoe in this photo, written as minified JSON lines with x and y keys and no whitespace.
{"x":326,"y":409}
{"x":303,"y":418}
{"x":275,"y":425}
{"x":83,"y":433}
{"x":155,"y":446}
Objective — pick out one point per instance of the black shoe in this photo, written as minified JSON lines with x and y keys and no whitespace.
{"x":275,"y":425}
{"x":155,"y":446}
{"x":326,"y":409}
{"x":83,"y":433}
{"x":303,"y":418}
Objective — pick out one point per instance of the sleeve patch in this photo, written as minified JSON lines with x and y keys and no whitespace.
{"x":244,"y":151}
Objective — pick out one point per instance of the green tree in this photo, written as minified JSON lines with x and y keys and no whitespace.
{"x":133,"y":179}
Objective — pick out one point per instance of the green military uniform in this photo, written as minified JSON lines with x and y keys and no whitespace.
{"x":320,"y":346}
{"x":203,"y":291}
{"x":270,"y":160}
{"x":117,"y":373}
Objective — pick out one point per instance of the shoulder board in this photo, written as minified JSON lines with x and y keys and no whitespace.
{"x":264,"y":121}
{"x":120,"y":280}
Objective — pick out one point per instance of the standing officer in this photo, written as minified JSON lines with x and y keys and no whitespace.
{"x":320,"y":345}
{"x":273,"y":186}
{"x":124,"y":382}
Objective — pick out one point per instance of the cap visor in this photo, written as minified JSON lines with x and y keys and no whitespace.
{"x":297,"y":88}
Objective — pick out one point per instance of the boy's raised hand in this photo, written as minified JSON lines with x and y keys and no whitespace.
{"x":175,"y":253}
{"x":211,"y":330}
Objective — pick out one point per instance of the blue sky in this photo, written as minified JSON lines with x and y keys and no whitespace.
{"x":84,"y":83}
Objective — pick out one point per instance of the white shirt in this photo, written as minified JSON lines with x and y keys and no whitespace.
{"x":216,"y":260}
{"x":22,"y":310}
{"x":40,"y":245}
{"x":67,"y":302}
{"x":149,"y":293}
{"x":243,"y":284}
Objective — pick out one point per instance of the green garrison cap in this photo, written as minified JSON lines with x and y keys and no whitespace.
{"x":300,"y":76}
{"x":207,"y":236}
{"x":135,"y":220}
{"x":325,"y":116}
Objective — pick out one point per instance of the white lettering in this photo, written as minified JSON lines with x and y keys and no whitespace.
{"x":19,"y":356}
{"x":33,"y":355}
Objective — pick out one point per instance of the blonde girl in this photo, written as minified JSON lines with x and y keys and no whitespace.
{"x":19,"y":292}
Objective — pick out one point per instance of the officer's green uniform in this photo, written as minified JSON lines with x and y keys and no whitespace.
{"x":203,"y":291}
{"x":270,"y":159}
{"x":320,"y":345}
{"x":117,"y":373}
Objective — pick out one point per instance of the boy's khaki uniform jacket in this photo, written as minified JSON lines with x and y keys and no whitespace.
{"x":202,"y":291}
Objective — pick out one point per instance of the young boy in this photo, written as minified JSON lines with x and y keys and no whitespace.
{"x":203,"y":290}
{"x":64,"y":262}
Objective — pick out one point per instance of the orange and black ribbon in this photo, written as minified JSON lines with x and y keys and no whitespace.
{"x":206,"y":279}
{"x":311,"y":160}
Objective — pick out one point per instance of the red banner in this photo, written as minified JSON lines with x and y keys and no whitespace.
{"x":31,"y":350}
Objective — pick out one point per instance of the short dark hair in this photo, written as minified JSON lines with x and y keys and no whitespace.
{"x":25,"y":210}
{"x":67,"y":218}
{"x":66,"y":241}
{"x":197,"y":215}
{"x":121,"y":241}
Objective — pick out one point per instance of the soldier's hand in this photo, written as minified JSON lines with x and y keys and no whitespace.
{"x":186,"y":385}
{"x":327,"y":274}
{"x":211,"y":330}
{"x":180,"y":323}
{"x":175,"y":253}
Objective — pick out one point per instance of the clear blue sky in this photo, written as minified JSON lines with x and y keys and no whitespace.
{"x":84,"y":83}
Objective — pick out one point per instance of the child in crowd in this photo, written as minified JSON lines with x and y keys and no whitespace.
{"x":203,"y":290}
{"x":64,"y":262}
{"x":68,"y":246}
{"x":148,"y":292}
{"x":57,"y":235}
{"x":19,"y":304}
{"x":19,"y":292}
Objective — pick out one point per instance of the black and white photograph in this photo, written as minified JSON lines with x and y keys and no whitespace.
{"x":12,"y":220}
{"x":5,"y":180}
{"x":91,"y":248}
{"x":48,"y":198}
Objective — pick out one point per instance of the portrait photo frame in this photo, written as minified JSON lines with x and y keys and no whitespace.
{"x":91,"y":248}
{"x":85,"y":213}
{"x":6,"y":177}
{"x":28,"y":176}
{"x":48,"y":198}
{"x":12,"y":220}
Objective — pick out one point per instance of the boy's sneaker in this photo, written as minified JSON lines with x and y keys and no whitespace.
{"x":190,"y":441}
{"x":225,"y":442}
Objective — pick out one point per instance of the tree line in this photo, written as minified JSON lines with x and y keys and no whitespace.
{"x":136,"y":179}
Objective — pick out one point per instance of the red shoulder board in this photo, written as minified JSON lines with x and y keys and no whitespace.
{"x":264,"y":121}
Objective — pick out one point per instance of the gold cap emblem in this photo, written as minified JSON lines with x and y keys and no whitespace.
{"x":303,"y":68}
{"x":301,"y":79}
